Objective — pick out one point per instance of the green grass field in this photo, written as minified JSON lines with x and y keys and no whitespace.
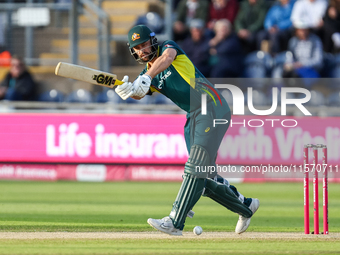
{"x":122,"y":207}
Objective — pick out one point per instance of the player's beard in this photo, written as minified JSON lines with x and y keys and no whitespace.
{"x":146,"y":57}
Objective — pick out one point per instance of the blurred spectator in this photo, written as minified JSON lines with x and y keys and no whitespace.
{"x":152,"y":20}
{"x":18,"y":83}
{"x":331,"y":27}
{"x":222,"y":9}
{"x":186,"y":11}
{"x":196,"y":47}
{"x":175,"y":4}
{"x":310,"y":12}
{"x":226,"y":51}
{"x":5,"y":58}
{"x":278,"y":26}
{"x":307,"y":52}
{"x":249,"y":21}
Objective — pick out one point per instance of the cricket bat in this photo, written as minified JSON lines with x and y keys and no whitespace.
{"x":82,"y":73}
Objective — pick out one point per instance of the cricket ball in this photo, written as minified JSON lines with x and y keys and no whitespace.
{"x":197,"y":230}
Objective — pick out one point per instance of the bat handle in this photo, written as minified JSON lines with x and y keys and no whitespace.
{"x":118,"y":82}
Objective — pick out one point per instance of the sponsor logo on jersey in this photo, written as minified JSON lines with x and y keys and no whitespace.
{"x":161,"y":82}
{"x":135,"y":36}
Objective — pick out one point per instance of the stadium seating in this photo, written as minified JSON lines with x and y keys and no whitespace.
{"x":278,"y":62}
{"x":257,"y":65}
{"x":317,"y":98}
{"x":79,"y":96}
{"x":107,"y":96}
{"x":52,"y":95}
{"x":144,"y":100}
{"x":258,"y":97}
{"x":334,"y":99}
{"x":269,"y":94}
{"x":161,"y":99}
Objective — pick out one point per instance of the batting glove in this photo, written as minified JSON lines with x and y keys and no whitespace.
{"x":141,"y":85}
{"x":126,"y":89}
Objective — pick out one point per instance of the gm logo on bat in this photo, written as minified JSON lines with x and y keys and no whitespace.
{"x":103,"y":79}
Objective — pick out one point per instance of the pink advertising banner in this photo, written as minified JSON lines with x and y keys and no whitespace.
{"x":92,"y":138}
{"x":115,"y":173}
{"x":158,"y":139}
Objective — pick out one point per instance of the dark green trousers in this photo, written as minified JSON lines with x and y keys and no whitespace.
{"x":199,"y":128}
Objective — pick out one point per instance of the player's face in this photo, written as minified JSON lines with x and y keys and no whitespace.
{"x":143,"y":50}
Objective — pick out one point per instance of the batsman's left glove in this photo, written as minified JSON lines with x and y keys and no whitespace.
{"x":126,"y":89}
{"x":141,"y":85}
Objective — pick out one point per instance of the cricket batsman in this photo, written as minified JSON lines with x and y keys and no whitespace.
{"x":170,"y":72}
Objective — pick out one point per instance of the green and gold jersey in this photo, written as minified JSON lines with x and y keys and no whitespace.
{"x":182,"y":83}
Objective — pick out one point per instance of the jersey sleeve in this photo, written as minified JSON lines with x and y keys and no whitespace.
{"x":171,"y":45}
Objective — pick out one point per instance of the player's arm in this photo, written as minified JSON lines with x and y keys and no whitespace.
{"x":162,"y":63}
{"x":141,"y":85}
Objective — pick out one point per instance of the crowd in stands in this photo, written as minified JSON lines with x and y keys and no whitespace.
{"x":241,"y":39}
{"x":224,"y":33}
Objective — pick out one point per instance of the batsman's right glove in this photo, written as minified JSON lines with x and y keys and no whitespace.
{"x":126,"y":89}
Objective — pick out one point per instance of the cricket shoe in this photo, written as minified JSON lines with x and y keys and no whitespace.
{"x":165,"y":225}
{"x":243,"y":222}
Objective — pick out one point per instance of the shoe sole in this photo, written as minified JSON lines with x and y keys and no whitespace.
{"x":163,"y":230}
